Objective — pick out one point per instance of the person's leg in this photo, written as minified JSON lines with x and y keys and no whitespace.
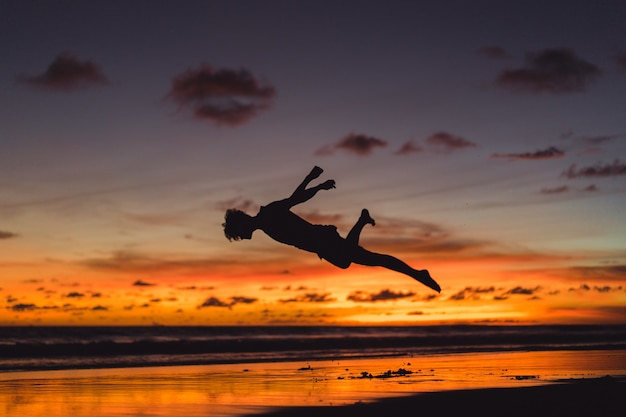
{"x":355,"y":232}
{"x":364,"y":257}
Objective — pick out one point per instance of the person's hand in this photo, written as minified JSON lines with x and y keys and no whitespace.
{"x":327,"y":185}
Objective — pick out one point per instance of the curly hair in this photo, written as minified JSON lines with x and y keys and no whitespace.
{"x":236,"y":225}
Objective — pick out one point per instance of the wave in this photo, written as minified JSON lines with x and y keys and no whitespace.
{"x":40,"y":348}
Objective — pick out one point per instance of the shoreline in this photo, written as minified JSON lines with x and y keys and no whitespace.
{"x":582,"y":397}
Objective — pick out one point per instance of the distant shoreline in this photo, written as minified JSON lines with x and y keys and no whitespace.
{"x":597,"y":397}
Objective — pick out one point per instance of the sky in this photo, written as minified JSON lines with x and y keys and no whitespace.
{"x":486,"y":138}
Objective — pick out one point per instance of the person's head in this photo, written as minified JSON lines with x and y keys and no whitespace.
{"x":238,"y":225}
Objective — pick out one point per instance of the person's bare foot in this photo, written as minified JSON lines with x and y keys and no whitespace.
{"x":315,"y":172}
{"x":365,"y":216}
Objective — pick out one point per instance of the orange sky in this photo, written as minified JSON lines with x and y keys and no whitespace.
{"x":490,"y":154}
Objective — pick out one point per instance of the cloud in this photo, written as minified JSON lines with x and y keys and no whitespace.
{"x":140,"y":283}
{"x":555,"y":70}
{"x":67,"y":73}
{"x":556,"y":190}
{"x":382,"y":295}
{"x":493,"y":52}
{"x":309,"y":298}
{"x":549,"y":153}
{"x":7,"y":235}
{"x":620,"y":61}
{"x":223,"y":96}
{"x":522,"y":291}
{"x":75,"y":295}
{"x":239,"y":203}
{"x":23,"y":307}
{"x":359,"y":144}
{"x":597,"y":288}
{"x":124,"y":261}
{"x":409,"y":147}
{"x":598,"y":170}
{"x":446,"y":142}
{"x":216,"y":302}
{"x":471,"y":293}
{"x":29,"y":307}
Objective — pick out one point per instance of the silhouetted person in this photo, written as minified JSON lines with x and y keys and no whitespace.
{"x":281,"y":224}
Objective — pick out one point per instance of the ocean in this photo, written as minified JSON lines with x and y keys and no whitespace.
{"x":46,"y":348}
{"x":242,"y":371}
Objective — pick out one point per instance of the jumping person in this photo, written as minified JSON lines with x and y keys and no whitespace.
{"x":281,"y":224}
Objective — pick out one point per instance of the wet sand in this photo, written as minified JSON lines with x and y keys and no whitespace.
{"x":487,"y":383}
{"x":575,"y":398}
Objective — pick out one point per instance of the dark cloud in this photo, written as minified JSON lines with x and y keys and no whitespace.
{"x":598,"y":170}
{"x":223,"y":96}
{"x":598,"y":288}
{"x":356,"y":143}
{"x":472,"y":293}
{"x":522,"y":291}
{"x":309,"y":298}
{"x":409,"y":147}
{"x":382,"y":295}
{"x":23,"y":307}
{"x":100,"y":308}
{"x":620,"y":61}
{"x":549,"y":153}
{"x":7,"y":235}
{"x":67,"y":73}
{"x":556,"y":190}
{"x":556,"y":70}
{"x":243,"y":300}
{"x":493,"y":52}
{"x":30,"y":307}
{"x":216,"y":302}
{"x":446,"y":142}
{"x":75,"y":295}
{"x":415,"y":313}
{"x":140,"y":283}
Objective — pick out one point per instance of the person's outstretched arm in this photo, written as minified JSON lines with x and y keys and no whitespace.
{"x":302,"y":194}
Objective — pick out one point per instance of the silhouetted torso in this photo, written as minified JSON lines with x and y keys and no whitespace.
{"x":281,"y":224}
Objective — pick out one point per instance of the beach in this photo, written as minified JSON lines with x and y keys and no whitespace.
{"x":490,"y":382}
{"x":573,"y":398}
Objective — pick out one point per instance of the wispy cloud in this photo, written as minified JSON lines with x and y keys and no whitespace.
{"x":597,"y":288}
{"x":217,"y":302}
{"x":140,"y":283}
{"x":358,"y":144}
{"x":493,"y":52}
{"x":549,"y":153}
{"x":222,"y":96}
{"x":447,"y":142}
{"x":408,"y":148}
{"x":124,"y":261}
{"x":598,"y":170}
{"x":554,"y":70}
{"x":240,"y":203}
{"x":7,"y":235}
{"x":471,"y":293}
{"x":382,"y":295}
{"x":309,"y":298}
{"x":556,"y":190}
{"x":67,"y":73}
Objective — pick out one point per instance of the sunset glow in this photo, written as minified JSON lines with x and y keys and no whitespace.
{"x":492,"y":155}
